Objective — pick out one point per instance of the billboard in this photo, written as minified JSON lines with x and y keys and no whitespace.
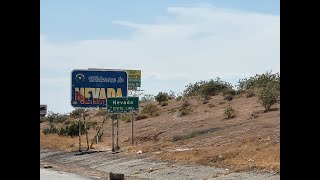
{"x":91,"y":88}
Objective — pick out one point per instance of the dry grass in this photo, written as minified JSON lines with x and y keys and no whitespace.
{"x":54,"y":141}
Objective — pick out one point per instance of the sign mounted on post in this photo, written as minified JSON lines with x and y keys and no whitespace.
{"x":91,"y":88}
{"x":43,"y":110}
{"x":123,"y":105}
{"x":134,"y":79}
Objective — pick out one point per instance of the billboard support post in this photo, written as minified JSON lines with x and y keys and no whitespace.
{"x":112,"y":134}
{"x":79,"y":128}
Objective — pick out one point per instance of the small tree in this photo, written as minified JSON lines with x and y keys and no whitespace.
{"x":161,"y":97}
{"x":268,"y":95}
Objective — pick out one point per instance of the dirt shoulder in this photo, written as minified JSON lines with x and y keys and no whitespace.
{"x":97,"y":165}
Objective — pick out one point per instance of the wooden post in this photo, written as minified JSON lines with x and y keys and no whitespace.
{"x":79,"y":128}
{"x":85,"y":128}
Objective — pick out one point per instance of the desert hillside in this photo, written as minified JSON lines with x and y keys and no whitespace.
{"x":189,"y":129}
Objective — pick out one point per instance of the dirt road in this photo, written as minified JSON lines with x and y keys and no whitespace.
{"x":97,"y":165}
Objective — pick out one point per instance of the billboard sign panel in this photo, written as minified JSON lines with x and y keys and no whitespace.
{"x":91,"y":88}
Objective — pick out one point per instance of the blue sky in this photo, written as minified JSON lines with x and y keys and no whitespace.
{"x":172,"y":42}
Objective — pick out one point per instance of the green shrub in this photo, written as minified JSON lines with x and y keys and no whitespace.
{"x":56,"y":117}
{"x":178,"y":98}
{"x":206,"y":88}
{"x":185,"y":109}
{"x":250,"y":93}
{"x":73,"y":129}
{"x":269,"y":95}
{"x":259,"y":81}
{"x":150,"y":109}
{"x":91,"y":124}
{"x":50,"y":130}
{"x":161,"y":97}
{"x":67,"y":122}
{"x":164,"y":103}
{"x":229,"y":91}
{"x":77,"y":113}
{"x":141,"y":116}
{"x":229,"y":113}
{"x":228,"y":97}
{"x":126,"y":118}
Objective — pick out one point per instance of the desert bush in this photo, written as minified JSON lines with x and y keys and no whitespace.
{"x":250,"y":93}
{"x":73,"y":129}
{"x":147,"y":98}
{"x":50,"y":130}
{"x":185,"y":108}
{"x":268,"y":96}
{"x":141,"y":116}
{"x":102,"y":112}
{"x":91,"y":124}
{"x":171,"y":95}
{"x":66,"y":122}
{"x":228,"y":97}
{"x":150,"y":109}
{"x":206,"y":88}
{"x":229,"y":112}
{"x":161,"y":97}
{"x":259,"y":81}
{"x":126,"y":118}
{"x":164,"y":103}
{"x":56,"y":117}
{"x":77,"y":113}
{"x":229,"y":91}
{"x":178,"y":98}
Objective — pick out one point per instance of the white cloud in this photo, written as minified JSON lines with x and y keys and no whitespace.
{"x":194,"y":43}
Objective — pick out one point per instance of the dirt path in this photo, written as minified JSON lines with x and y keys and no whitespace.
{"x":97,"y":165}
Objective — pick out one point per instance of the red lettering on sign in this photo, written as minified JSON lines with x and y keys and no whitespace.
{"x":79,"y":97}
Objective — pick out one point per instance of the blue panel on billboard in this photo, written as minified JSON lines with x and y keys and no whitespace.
{"x":90,"y":88}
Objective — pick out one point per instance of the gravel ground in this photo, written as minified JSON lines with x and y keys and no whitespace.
{"x":97,"y":165}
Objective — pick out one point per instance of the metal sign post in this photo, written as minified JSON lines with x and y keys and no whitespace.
{"x":117,"y":147}
{"x":112,"y":134}
{"x":132,"y":129}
